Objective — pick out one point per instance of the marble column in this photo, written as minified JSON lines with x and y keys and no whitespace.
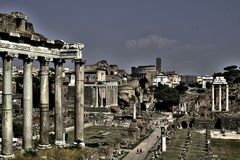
{"x":96,"y":96}
{"x":220,"y":97}
{"x":134,"y":110}
{"x":116,"y":96}
{"x":27,"y":105}
{"x":7,"y":127}
{"x":101,"y":95}
{"x":44,"y":105}
{"x":79,"y":103}
{"x":213,"y":103}
{"x":164,"y":144}
{"x":227,"y":98}
{"x":106,"y":96}
{"x":58,"y":103}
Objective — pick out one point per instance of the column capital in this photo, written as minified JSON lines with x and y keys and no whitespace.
{"x":26,"y":57}
{"x":8,"y":55}
{"x":81,"y":61}
{"x":44,"y":59}
{"x":58,"y":61}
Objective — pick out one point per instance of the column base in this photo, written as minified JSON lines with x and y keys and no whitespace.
{"x":60,"y":143}
{"x":77,"y":144}
{"x":44,"y":146}
{"x":11,"y":156}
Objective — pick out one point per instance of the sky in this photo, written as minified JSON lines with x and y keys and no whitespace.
{"x":193,"y":37}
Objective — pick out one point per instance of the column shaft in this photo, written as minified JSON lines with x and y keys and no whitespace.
{"x":116,"y":96}
{"x":58,"y":104}
{"x":27,"y":105}
{"x":101,"y":94}
{"x":44,"y":105}
{"x":7,"y":128}
{"x":96,"y":96}
{"x":220,"y":98}
{"x":213,"y":103}
{"x":227,"y":98}
{"x":79,"y":101}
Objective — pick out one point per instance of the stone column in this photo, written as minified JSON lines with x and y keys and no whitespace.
{"x":58,"y":103}
{"x":220,"y":97}
{"x":96,"y":96}
{"x":7,"y":127}
{"x":79,"y":103}
{"x":101,"y":95}
{"x":164,"y":146}
{"x":44,"y":105}
{"x":213,"y":103}
{"x":116,"y":96}
{"x":134,"y":110}
{"x":106,"y":96}
{"x":227,"y":98}
{"x":27,"y":105}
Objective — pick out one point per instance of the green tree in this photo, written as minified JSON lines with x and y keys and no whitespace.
{"x":166,"y":97}
{"x":142,"y":82}
{"x":229,"y":68}
{"x":182,"y":88}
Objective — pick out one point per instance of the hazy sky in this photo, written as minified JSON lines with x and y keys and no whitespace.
{"x":191,"y":36}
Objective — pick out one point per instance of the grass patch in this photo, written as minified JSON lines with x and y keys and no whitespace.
{"x":226,"y":149}
{"x":56,"y":153}
{"x":99,"y":134}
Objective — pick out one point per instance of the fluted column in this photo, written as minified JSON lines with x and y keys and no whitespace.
{"x":79,"y":103}
{"x":27,"y":104}
{"x":7,"y":128}
{"x":44,"y":105}
{"x":213,"y":103}
{"x":227,"y":98}
{"x":220,"y":97}
{"x":58,"y":103}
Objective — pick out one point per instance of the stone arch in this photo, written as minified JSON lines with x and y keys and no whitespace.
{"x":218,"y":124}
{"x":184,"y":124}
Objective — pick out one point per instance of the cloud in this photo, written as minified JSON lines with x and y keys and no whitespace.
{"x":151,"y":41}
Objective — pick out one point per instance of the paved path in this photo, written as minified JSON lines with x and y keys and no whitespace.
{"x":146,"y":145}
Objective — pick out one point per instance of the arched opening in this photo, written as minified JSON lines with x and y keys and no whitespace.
{"x":218,"y":124}
{"x":184,"y":124}
{"x":191,"y":123}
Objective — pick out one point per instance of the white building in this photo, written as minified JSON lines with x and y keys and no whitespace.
{"x":162,"y":79}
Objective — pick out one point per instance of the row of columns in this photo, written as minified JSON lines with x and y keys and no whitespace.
{"x":7,"y":127}
{"x":220,"y":98}
{"x":109,"y":93}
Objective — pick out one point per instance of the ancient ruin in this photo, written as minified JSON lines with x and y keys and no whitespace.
{"x":18,"y":40}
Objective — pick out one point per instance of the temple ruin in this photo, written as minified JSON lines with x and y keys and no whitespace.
{"x":19,"y":41}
